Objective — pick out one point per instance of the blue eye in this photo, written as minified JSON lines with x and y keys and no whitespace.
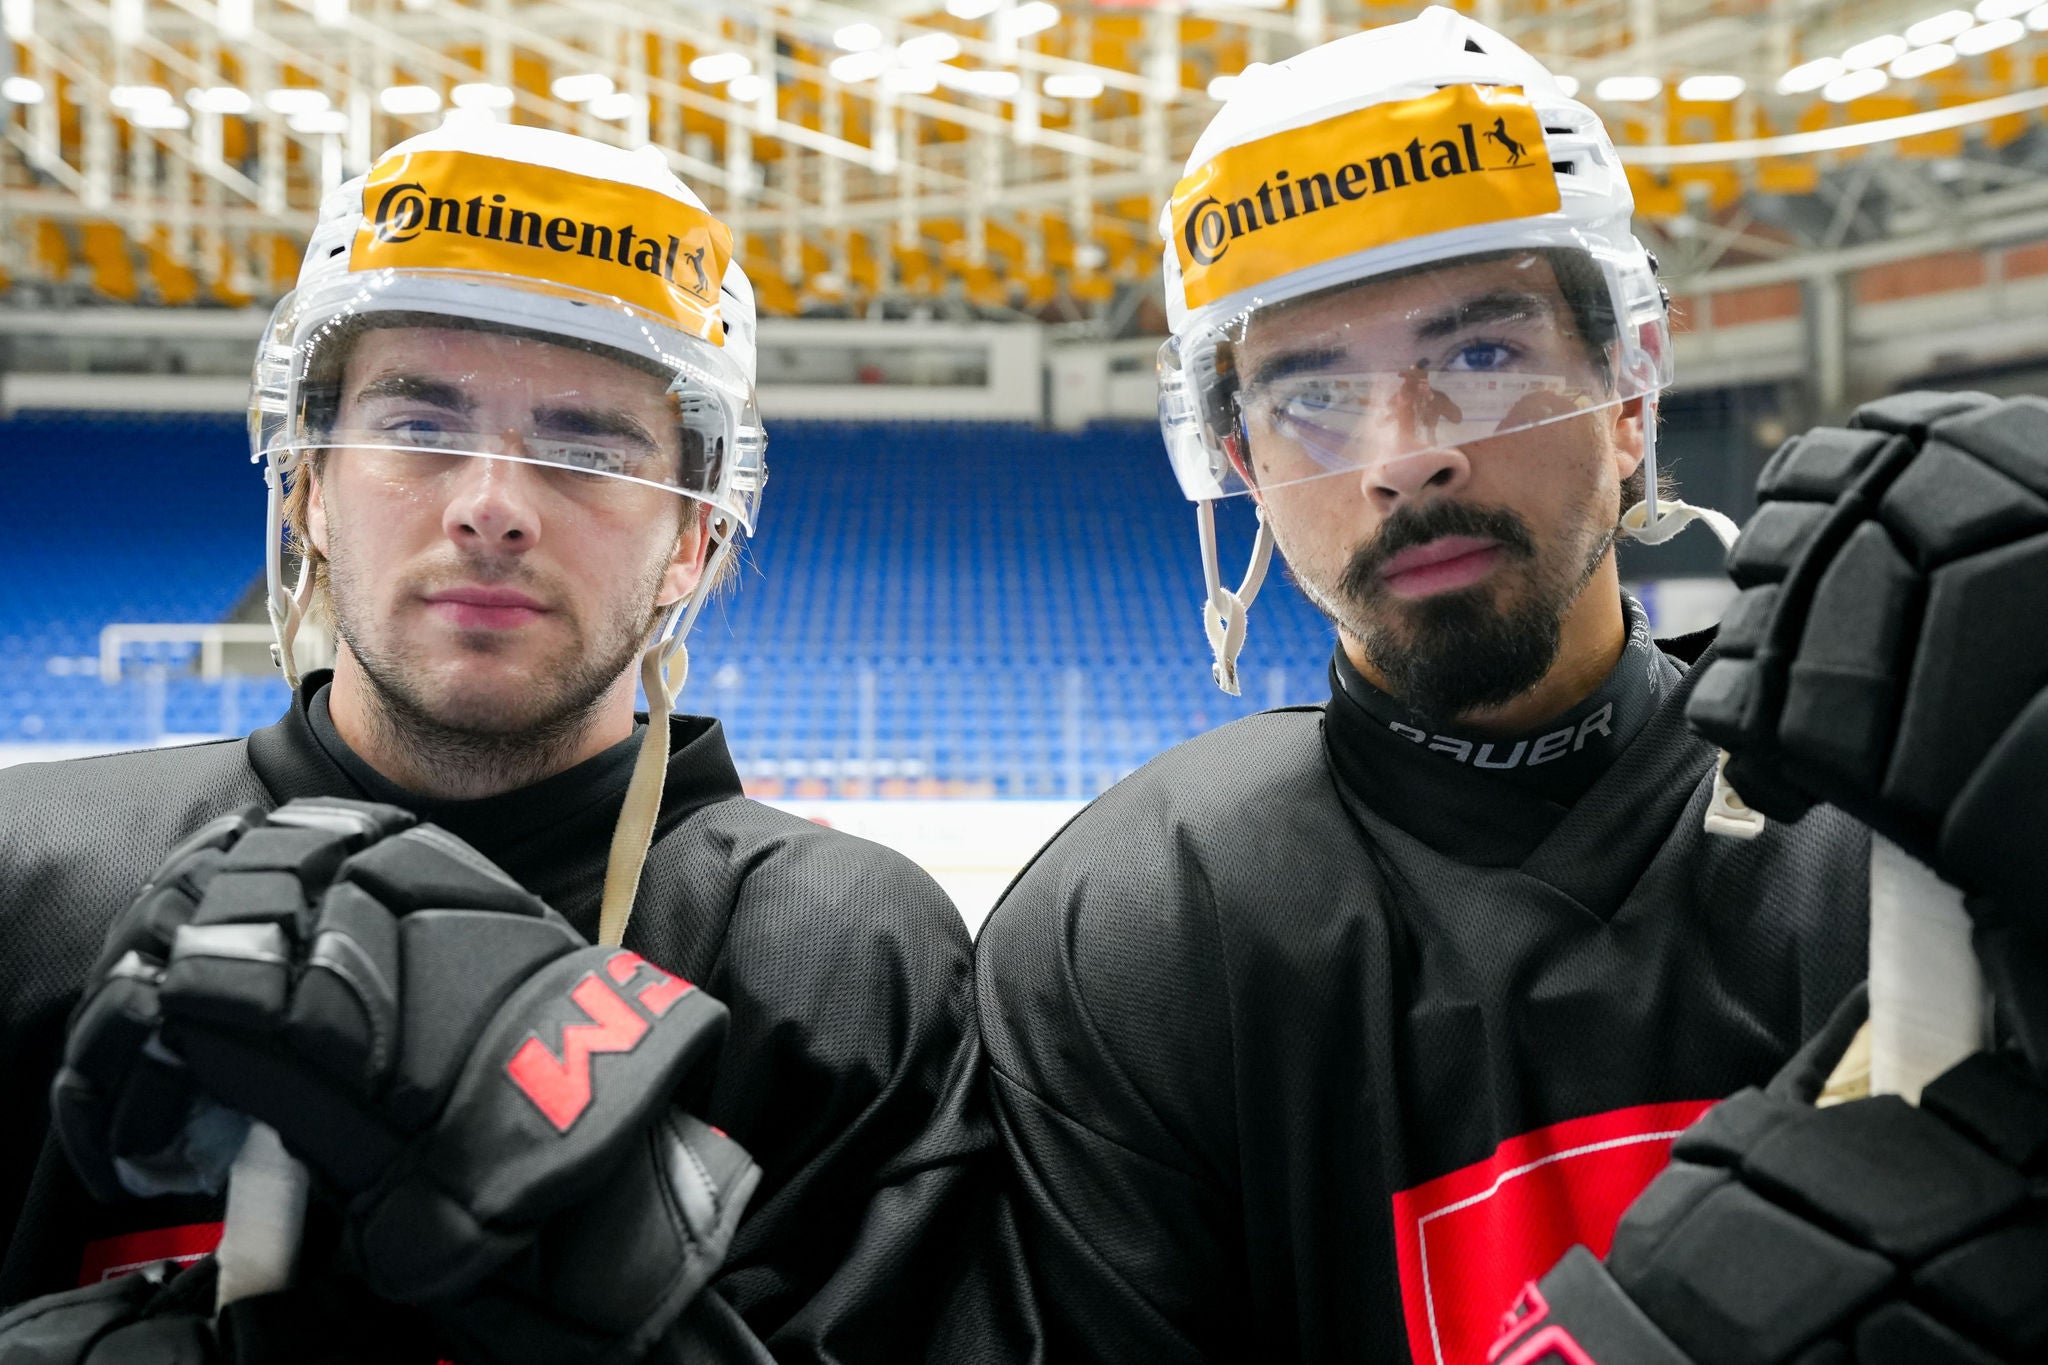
{"x":1482,"y":356}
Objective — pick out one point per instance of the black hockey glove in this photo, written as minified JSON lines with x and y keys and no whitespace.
{"x":489,"y":1097}
{"x":1888,"y":654}
{"x":1869,"y":1233}
{"x":157,"y":1315}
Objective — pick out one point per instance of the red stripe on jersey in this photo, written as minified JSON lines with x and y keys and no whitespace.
{"x":1467,"y":1242}
{"x":113,"y":1256}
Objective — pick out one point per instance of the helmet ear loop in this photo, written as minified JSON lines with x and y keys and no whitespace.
{"x":286,"y":609}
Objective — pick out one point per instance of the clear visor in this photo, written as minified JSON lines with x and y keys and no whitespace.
{"x":1373,"y":372}
{"x":614,"y":410}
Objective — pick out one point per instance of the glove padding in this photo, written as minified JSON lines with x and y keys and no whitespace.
{"x":156,"y":1315}
{"x":1869,"y":1233}
{"x":471,"y":1079}
{"x":131,"y":1117}
{"x":1886,"y":653}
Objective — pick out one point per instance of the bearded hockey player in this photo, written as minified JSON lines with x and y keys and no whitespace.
{"x":1323,"y":1033}
{"x":512,"y":426}
{"x":1898,"y":1213}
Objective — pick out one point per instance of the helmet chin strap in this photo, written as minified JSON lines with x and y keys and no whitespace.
{"x":1653,"y":523}
{"x":1223,"y":612}
{"x":664,"y":668}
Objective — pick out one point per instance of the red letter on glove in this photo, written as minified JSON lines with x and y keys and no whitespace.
{"x":560,"y":1087}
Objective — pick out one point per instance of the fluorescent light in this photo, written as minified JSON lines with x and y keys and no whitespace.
{"x":409,"y":99}
{"x":1628,"y":89}
{"x":235,"y":18}
{"x":856,"y":67}
{"x":746,"y":89}
{"x":21,"y":90}
{"x":330,"y":13}
{"x":1854,"y":85}
{"x":1568,"y":85}
{"x":1940,"y":28}
{"x":2037,"y":18}
{"x":160,"y":116}
{"x":1711,"y":89}
{"x":861,"y":37}
{"x":717,"y":68}
{"x":921,"y":80}
{"x":1991,"y":11}
{"x":124,"y":21}
{"x":1082,"y":86}
{"x":1984,"y":37}
{"x":220,"y":99}
{"x":1034,"y":16}
{"x":971,"y":9}
{"x":296,"y":100}
{"x":997,"y":85}
{"x":581,"y":87}
{"x":18,"y":20}
{"x":1221,"y":86}
{"x":318,"y":121}
{"x":1810,"y":75}
{"x":1922,"y":60}
{"x":480,"y":95}
{"x":617,"y":105}
{"x":1090,"y":256}
{"x":1874,"y":51}
{"x":134,"y":97}
{"x":926,"y":49}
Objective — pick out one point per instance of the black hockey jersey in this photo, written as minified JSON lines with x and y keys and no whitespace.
{"x":1321,"y":1034}
{"x":850,"y":1069}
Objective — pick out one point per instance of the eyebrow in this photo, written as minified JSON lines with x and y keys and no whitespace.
{"x":418,"y":388}
{"x":1294,"y":362}
{"x":1499,"y":305}
{"x":594,"y":422}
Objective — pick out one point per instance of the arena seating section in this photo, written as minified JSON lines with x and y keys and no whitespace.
{"x":929,"y":609}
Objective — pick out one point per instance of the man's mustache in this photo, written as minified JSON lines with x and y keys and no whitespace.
{"x":1419,"y":524}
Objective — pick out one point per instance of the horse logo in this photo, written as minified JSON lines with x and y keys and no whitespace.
{"x":1499,"y":133}
{"x":696,"y":259}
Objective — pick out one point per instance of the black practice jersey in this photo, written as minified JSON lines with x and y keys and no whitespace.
{"x":1324,"y":1032}
{"x":850,"y":1070}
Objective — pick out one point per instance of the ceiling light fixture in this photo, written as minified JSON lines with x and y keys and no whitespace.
{"x":296,"y":100}
{"x":617,"y":105}
{"x":480,"y":95}
{"x":220,"y":99}
{"x":926,"y":49}
{"x":134,"y":97}
{"x":1874,"y":51}
{"x":971,"y":9}
{"x":409,"y":99}
{"x":314,"y":121}
{"x":860,"y":37}
{"x":21,"y":90}
{"x":1940,"y":28}
{"x":719,"y":67}
{"x":1711,"y":89}
{"x":1985,"y":37}
{"x":1628,"y":89}
{"x":746,"y":89}
{"x":581,"y":88}
{"x":856,"y":67}
{"x":1854,"y":85}
{"x":1073,"y":86}
{"x":1922,"y":60}
{"x":1810,"y":75}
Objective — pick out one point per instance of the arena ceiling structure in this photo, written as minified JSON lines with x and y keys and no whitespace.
{"x":999,"y":158}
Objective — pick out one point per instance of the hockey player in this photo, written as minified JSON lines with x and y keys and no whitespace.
{"x":514,"y":433}
{"x":1321,"y":1034}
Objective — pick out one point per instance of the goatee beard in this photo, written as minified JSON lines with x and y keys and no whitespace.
{"x":1454,"y":653}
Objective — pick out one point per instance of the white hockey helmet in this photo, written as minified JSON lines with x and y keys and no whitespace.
{"x":1407,"y":152}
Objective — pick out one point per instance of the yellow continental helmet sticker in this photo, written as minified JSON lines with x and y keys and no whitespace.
{"x":461,"y":211}
{"x":1464,"y":155}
